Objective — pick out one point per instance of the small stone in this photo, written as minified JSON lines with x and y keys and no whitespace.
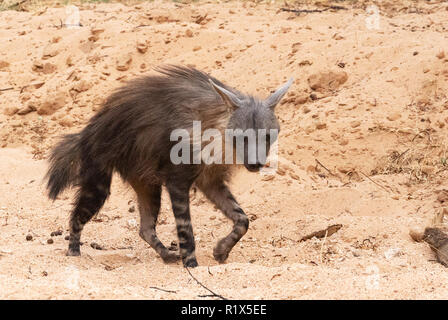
{"x":82,"y":86}
{"x":356,"y":253}
{"x":441,"y":54}
{"x":53,"y":103}
{"x":337,"y":36}
{"x":50,"y":241}
{"x":394,"y":116}
{"x":124,"y":62}
{"x":96,"y":246}
{"x":392,"y":253}
{"x":3,"y":65}
{"x":301,"y":99}
{"x":267,"y":177}
{"x":355,"y":124}
{"x":416,"y":235}
{"x":189,"y":33}
{"x":132,"y":223}
{"x":94,"y":38}
{"x":142,"y":47}
{"x":96,"y":30}
{"x":10,"y":111}
{"x":197,"y":48}
{"x":56,"y":233}
{"x":329,"y":80}
{"x":305,"y":63}
{"x":132,"y":209}
{"x":253,"y":217}
{"x":29,"y":237}
{"x":49,"y":52}
{"x":29,"y":108}
{"x":443,"y":196}
{"x":69,"y":61}
{"x":66,"y":122}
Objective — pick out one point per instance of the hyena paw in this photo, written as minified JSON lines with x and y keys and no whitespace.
{"x":191,"y":263}
{"x":171,"y":257}
{"x":220,"y":254}
{"x":73,"y":252}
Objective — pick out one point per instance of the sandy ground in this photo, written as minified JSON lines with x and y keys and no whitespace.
{"x":367,"y":102}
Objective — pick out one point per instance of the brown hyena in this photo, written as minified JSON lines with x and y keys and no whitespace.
{"x":131,"y":135}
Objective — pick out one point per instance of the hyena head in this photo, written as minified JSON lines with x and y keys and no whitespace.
{"x":253,"y":126}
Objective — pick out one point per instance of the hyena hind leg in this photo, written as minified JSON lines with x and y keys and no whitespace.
{"x":91,"y":196}
{"x":220,"y":195}
{"x":149,"y":206}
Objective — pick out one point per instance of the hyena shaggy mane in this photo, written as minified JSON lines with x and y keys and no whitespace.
{"x":131,"y":135}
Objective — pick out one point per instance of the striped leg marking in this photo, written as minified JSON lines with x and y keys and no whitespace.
{"x":149,"y":207}
{"x":181,"y":208}
{"x":90,"y":199}
{"x":221,"y":196}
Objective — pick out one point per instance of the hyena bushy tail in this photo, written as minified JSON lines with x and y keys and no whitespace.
{"x":71,"y":164}
{"x":64,"y":165}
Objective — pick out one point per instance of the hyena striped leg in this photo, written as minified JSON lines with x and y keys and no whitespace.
{"x":91,"y":196}
{"x":149,"y":206}
{"x":180,"y":199}
{"x":221,"y":196}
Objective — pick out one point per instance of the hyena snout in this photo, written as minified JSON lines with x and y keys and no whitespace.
{"x":254,"y":167}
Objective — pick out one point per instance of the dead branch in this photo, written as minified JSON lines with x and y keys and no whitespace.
{"x":36,"y":85}
{"x":299,"y":11}
{"x":418,"y":135}
{"x":328,"y":170}
{"x":374,"y":181}
{"x":164,"y":290}
{"x":400,"y":155}
{"x":212,"y":293}
{"x":17,"y":4}
{"x":323,"y":233}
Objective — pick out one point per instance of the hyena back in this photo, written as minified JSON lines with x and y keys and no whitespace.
{"x":131,"y":135}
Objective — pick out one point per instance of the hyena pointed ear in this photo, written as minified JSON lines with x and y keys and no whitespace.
{"x":229,"y":97}
{"x":275,"y":98}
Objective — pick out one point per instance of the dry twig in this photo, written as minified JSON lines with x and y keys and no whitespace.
{"x":328,"y":170}
{"x":164,"y":290}
{"x":299,"y":11}
{"x":323,"y":233}
{"x":212,"y":293}
{"x":374,"y":181}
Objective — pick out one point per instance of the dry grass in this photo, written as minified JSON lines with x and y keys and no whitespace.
{"x":421,"y":158}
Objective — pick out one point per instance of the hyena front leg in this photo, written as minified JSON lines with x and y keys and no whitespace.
{"x":179,"y":192}
{"x":220,"y":195}
{"x":149,"y":207}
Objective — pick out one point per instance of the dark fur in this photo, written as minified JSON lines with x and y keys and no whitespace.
{"x":130,"y":135}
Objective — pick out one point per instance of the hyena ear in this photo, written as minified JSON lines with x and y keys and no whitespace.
{"x":275,"y":98}
{"x":229,"y":97}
